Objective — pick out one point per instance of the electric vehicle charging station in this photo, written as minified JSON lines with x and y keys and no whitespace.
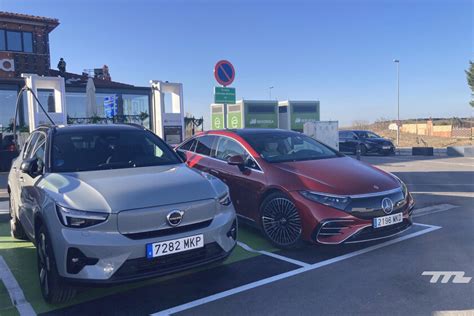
{"x":56,"y":106}
{"x":246,"y":114}
{"x":168,"y":125}
{"x":217,"y":116}
{"x":294,"y":114}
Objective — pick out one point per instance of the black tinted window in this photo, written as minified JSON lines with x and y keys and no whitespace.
{"x":204,"y":145}
{"x":109,"y":149}
{"x":189,"y":145}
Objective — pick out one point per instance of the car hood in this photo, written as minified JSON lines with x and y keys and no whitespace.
{"x":132,"y":188}
{"x":342,"y":175}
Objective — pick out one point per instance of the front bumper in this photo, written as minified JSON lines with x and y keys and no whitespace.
{"x":119,"y":259}
{"x":326,"y":225}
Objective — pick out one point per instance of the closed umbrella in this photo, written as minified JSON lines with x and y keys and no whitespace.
{"x":91,"y":107}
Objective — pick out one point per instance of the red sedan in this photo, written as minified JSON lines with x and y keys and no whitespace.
{"x":296,"y":188}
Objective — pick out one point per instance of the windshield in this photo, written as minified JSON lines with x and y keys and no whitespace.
{"x":112,"y":149}
{"x":364,"y":134}
{"x":281,"y":147}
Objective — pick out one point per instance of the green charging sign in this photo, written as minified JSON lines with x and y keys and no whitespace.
{"x":217,"y":121}
{"x":234,"y":119}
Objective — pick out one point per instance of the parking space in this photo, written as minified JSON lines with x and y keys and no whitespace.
{"x":383,"y":275}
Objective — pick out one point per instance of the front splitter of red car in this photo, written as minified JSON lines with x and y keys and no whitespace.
{"x":326,"y":225}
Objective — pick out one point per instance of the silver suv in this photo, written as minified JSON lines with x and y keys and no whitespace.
{"x":107,"y":204}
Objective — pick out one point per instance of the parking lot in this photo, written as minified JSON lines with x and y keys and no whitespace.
{"x":378,"y":277}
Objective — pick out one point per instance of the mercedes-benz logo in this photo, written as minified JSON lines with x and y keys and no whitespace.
{"x":175,"y":217}
{"x":387,"y":206}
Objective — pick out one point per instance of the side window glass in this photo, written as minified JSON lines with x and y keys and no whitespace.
{"x":189,"y":145}
{"x":39,"y":154}
{"x":30,"y":145}
{"x":204,"y":145}
{"x":228,"y":148}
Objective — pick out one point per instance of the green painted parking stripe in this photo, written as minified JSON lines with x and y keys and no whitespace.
{"x":20,"y":256}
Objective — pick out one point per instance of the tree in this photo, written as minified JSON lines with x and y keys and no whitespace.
{"x":470,"y":80}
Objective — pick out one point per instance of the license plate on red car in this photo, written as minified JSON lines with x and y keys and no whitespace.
{"x":388,"y":220}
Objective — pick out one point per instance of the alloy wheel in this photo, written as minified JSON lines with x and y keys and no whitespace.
{"x":281,"y":221}
{"x":43,"y":264}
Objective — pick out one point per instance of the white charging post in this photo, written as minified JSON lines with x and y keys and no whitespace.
{"x":55,"y":104}
{"x":168,"y":125}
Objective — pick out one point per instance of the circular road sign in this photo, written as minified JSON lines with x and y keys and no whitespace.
{"x":224,"y":72}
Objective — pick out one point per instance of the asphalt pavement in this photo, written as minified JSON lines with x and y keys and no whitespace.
{"x":380,"y":277}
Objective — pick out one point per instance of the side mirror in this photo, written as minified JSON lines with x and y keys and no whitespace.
{"x":182,"y":155}
{"x":238,"y":161}
{"x":31,"y":166}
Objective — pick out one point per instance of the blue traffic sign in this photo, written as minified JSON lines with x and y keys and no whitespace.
{"x":224,"y":72}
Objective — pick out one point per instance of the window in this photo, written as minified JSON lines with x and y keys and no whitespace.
{"x":85,"y":150}
{"x":227,"y":148}
{"x":46,"y":97}
{"x":288,"y":146}
{"x":204,"y":145}
{"x":3,"y":43}
{"x":189,"y":145}
{"x":7,"y":107}
{"x":30,"y":145}
{"x":27,"y":42}
{"x":14,"y":41}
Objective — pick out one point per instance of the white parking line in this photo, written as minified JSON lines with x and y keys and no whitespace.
{"x":288,"y":274}
{"x":432,"y":209}
{"x":273,"y":255}
{"x":14,"y":290}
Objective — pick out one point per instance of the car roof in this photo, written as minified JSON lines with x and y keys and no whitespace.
{"x":253,"y":131}
{"x":94,"y":127}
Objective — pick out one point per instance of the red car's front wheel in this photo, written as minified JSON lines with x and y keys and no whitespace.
{"x":280,"y":220}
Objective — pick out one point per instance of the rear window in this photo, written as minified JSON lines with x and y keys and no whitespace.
{"x":112,"y":149}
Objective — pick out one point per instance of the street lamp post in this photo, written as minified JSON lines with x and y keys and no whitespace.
{"x":270,"y":91}
{"x":398,"y":100}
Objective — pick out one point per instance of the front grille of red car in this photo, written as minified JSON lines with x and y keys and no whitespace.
{"x":330,"y":228}
{"x":370,"y":207}
{"x":371,"y":233}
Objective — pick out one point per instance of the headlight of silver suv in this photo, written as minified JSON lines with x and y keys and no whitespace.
{"x":79,"y":219}
{"x":339,"y":202}
{"x":225,"y":199}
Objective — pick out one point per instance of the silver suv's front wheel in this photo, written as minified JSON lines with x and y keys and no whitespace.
{"x":53,"y":289}
{"x":16,"y":230}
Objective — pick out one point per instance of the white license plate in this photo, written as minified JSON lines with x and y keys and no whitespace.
{"x":169,"y":247}
{"x":388,"y":220}
{"x":385,"y":147}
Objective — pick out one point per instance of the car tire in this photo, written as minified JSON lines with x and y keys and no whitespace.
{"x":16,"y":230}
{"x":280,"y":221}
{"x":53,"y":288}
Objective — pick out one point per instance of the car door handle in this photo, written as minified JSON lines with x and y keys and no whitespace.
{"x":214,"y":172}
{"x":22,"y":179}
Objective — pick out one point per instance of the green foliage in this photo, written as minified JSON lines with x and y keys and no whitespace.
{"x":470,"y":80}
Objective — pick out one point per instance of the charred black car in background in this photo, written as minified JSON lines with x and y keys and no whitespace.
{"x":8,"y":151}
{"x":369,"y":143}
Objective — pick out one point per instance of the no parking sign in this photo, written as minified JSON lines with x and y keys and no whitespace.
{"x":224,"y":72}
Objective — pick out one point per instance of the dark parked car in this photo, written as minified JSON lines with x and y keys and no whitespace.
{"x":295,"y":188}
{"x":369,"y":143}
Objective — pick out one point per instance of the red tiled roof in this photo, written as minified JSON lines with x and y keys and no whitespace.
{"x":32,"y":18}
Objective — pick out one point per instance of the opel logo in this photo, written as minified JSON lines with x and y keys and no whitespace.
{"x":175,"y":217}
{"x":387,"y":206}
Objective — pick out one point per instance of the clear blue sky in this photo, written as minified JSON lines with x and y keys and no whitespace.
{"x":338,"y":52}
